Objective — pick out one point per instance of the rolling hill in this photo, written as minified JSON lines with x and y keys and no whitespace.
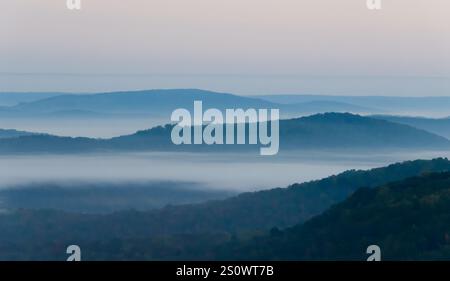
{"x":14,"y":98}
{"x":341,"y":130}
{"x":334,"y":131}
{"x":160,"y":103}
{"x":8,"y":133}
{"x":436,"y":106}
{"x":151,"y":102}
{"x":438,"y":126}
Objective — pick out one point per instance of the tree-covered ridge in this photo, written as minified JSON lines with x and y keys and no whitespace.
{"x":408,"y":219}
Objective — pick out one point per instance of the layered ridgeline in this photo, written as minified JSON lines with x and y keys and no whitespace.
{"x":9,"y":99}
{"x":163,"y":102}
{"x":9,"y":133}
{"x":408,"y":220}
{"x":198,"y":230}
{"x":149,"y":103}
{"x":411,"y":106}
{"x":334,"y":131}
{"x":153,"y":103}
{"x":438,"y":126}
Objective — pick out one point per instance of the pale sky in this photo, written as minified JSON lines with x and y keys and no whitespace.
{"x":244,"y":46}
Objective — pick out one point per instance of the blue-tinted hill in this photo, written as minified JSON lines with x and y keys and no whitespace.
{"x":8,"y":133}
{"x":161,"y":103}
{"x":439,"y":126}
{"x":154,"y":102}
{"x":14,"y":98}
{"x":334,"y":131}
{"x":426,"y":106}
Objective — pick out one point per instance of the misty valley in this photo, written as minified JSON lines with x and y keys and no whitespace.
{"x":214,"y":140}
{"x":143,"y":181}
{"x":132,"y":194}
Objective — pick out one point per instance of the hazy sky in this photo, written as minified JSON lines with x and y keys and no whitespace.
{"x":244,"y":46}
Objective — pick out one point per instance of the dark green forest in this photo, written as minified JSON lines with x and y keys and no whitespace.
{"x":408,"y":219}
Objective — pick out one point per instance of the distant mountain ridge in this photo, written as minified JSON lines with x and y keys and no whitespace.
{"x":438,"y":126}
{"x":160,"y":103}
{"x":10,"y":133}
{"x":138,"y":101}
{"x":394,"y":105}
{"x":14,"y":98}
{"x":344,"y":130}
{"x":333,"y":131}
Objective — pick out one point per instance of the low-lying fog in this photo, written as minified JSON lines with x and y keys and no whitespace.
{"x":236,"y":172}
{"x":146,"y":180}
{"x":239,"y":172}
{"x":79,"y":127}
